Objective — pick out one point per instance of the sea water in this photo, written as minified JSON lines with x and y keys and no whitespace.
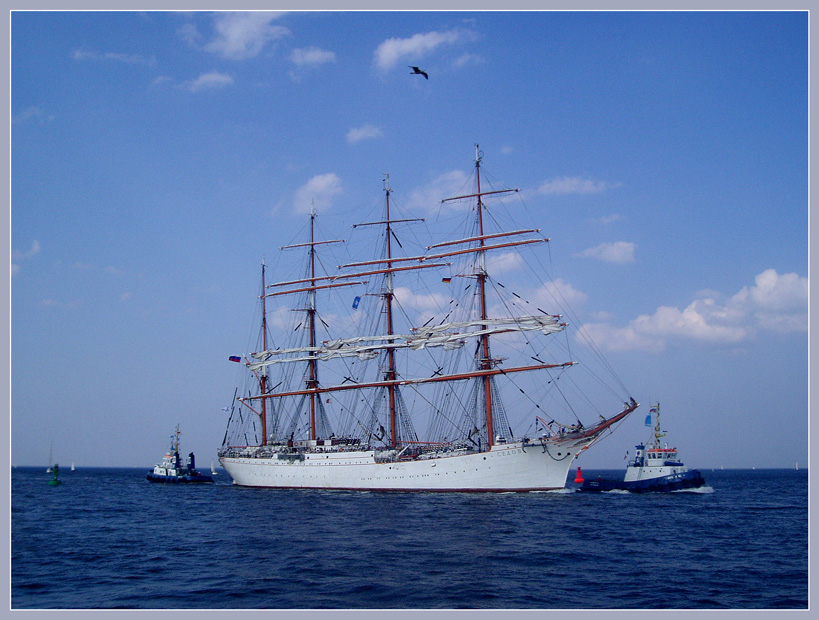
{"x":107,"y":538}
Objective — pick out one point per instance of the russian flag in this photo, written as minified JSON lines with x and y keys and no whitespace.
{"x":235,"y":358}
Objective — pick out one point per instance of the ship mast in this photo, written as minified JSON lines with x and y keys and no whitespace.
{"x":485,"y":361}
{"x":312,"y":380}
{"x":390,"y":374}
{"x":388,"y":296}
{"x":263,"y":376}
{"x":451,"y":335}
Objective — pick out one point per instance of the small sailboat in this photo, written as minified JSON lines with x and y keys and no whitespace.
{"x":50,"y":455}
{"x":72,"y":465}
{"x":213,"y":471}
{"x":796,"y":465}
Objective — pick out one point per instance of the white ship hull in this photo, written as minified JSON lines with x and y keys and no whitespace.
{"x":508,"y":467}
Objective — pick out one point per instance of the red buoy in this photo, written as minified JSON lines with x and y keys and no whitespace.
{"x":579,"y":479}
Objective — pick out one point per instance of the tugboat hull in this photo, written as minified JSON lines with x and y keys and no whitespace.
{"x":691,"y":479}
{"x":187,"y":479}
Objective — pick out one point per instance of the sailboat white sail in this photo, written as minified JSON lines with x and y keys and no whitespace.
{"x":342,"y":411}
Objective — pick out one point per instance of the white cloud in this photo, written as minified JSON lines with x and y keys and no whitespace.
{"x":702,"y":320}
{"x":554,"y":297}
{"x":17,"y":255}
{"x":619,"y":252}
{"x":558,"y":293}
{"x":466,"y":59}
{"x":505,"y":262}
{"x":132,"y":59}
{"x":312,"y":56}
{"x":779,"y":302}
{"x":366,"y":132}
{"x":428,"y":199}
{"x":619,"y":338}
{"x":608,"y":219}
{"x":319,"y":192}
{"x":33,"y":113}
{"x":393,"y":51}
{"x":189,"y":34}
{"x":420,"y":301}
{"x":240,"y":35}
{"x":574,"y":185}
{"x":422,"y":305}
{"x":208,"y":81}
{"x":280,"y":318}
{"x":776,"y":302}
{"x":32,"y":251}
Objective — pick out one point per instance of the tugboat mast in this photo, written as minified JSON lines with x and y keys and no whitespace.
{"x":657,"y":432}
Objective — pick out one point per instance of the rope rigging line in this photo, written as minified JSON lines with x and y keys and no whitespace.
{"x":561,"y":300}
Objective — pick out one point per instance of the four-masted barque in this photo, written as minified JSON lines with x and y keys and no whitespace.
{"x":290,"y":429}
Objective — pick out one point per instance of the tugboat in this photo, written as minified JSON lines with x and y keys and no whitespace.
{"x":173,"y":471}
{"x":653,"y":469}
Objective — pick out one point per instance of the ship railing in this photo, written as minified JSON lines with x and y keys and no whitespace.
{"x":418,"y":450}
{"x":257,"y":452}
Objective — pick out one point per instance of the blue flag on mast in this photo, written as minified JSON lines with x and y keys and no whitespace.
{"x":648,"y":419}
{"x":355,"y":303}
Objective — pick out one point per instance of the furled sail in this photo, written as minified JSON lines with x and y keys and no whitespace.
{"x":423,"y":337}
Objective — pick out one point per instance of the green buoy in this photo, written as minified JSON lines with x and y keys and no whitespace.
{"x":54,"y":480}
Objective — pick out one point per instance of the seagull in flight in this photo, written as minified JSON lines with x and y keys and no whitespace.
{"x":417,"y":71}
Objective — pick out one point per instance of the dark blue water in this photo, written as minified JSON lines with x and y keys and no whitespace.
{"x":107,"y":538}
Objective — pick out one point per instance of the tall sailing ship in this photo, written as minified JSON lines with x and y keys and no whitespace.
{"x":293,"y":428}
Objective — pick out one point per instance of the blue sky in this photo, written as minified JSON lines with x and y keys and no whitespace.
{"x":156,"y":157}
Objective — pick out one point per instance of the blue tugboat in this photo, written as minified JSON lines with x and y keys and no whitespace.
{"x":172,"y":470}
{"x":653,"y":469}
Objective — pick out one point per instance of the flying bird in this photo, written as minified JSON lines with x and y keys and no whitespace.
{"x":417,"y":71}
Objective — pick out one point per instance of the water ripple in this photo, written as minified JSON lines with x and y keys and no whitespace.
{"x":120,"y":542}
